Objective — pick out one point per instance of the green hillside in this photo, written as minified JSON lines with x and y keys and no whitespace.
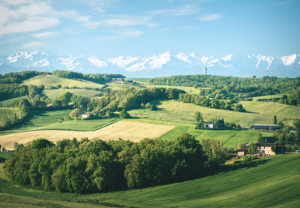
{"x":8,"y":114}
{"x":48,"y":120}
{"x":257,"y":112}
{"x":6,"y":102}
{"x":56,"y":93}
{"x":52,"y":80}
{"x":269,"y":182}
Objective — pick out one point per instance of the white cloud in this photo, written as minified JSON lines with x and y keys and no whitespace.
{"x":27,"y":18}
{"x":210,"y":17}
{"x":183,"y":57}
{"x":186,"y":10}
{"x":12,"y":40}
{"x":98,"y":5}
{"x":33,"y":44}
{"x":44,"y":35}
{"x":97,"y":62}
{"x":121,"y":61}
{"x":126,"y":21}
{"x":132,"y":33}
{"x":16,"y":2}
{"x":86,"y":22}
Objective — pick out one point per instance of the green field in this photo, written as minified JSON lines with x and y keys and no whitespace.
{"x":257,"y":112}
{"x":8,"y":114}
{"x":48,"y":120}
{"x":138,"y":79}
{"x":52,"y":80}
{"x":5,"y":154}
{"x":269,"y":182}
{"x":230,"y":138}
{"x":56,"y":93}
{"x":6,"y":102}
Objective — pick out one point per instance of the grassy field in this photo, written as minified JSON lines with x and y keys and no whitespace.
{"x":56,"y":93}
{"x":48,"y":120}
{"x":8,"y":114}
{"x":133,"y":131}
{"x":230,"y":138}
{"x":138,"y":79}
{"x":52,"y":80}
{"x":269,"y":182}
{"x":6,"y":102}
{"x":257,"y":112}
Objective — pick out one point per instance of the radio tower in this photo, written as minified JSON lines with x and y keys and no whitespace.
{"x":205,"y":70}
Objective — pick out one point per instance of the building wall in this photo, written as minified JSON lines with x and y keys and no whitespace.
{"x":265,"y":150}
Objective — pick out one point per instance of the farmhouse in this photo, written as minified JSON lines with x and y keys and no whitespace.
{"x":242,"y":152}
{"x":264,"y":127}
{"x":118,"y":80}
{"x":266,"y":148}
{"x":209,"y":124}
{"x":85,"y":115}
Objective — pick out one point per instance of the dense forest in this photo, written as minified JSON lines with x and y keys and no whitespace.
{"x":18,"y":77}
{"x":92,"y":166}
{"x":222,"y":86}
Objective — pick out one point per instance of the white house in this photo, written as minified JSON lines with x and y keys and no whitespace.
{"x":85,"y":115}
{"x":209,"y":124}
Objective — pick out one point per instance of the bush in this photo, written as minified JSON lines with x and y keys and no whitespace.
{"x":124,"y":114}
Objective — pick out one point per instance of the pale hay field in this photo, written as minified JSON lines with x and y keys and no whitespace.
{"x":133,"y":131}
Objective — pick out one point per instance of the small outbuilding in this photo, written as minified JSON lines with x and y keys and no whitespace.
{"x":264,"y":127}
{"x":209,"y":124}
{"x":85,"y":115}
{"x":297,"y":151}
{"x":242,"y":152}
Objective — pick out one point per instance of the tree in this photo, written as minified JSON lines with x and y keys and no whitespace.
{"x":16,"y":145}
{"x":240,"y":108}
{"x":148,"y":105}
{"x":259,"y":137}
{"x":275,"y":120}
{"x":252,"y":149}
{"x":253,"y":77}
{"x":198,"y":116}
{"x":124,"y":114}
{"x":242,"y":145}
{"x":76,"y":112}
{"x":153,"y":107}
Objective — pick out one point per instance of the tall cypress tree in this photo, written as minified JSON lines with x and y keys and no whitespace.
{"x":275,"y":120}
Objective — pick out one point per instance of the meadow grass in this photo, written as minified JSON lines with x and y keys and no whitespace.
{"x":6,"y":102}
{"x":56,"y":93}
{"x":268,"y":182}
{"x":138,"y":79}
{"x":257,"y":112}
{"x":8,"y":114}
{"x":49,"y":120}
{"x":230,"y":138}
{"x":52,"y":80}
{"x":133,"y":131}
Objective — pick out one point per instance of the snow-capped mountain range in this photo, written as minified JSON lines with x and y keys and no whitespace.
{"x":165,"y":64}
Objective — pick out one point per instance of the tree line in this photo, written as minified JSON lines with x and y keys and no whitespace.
{"x":292,"y":99}
{"x":18,"y":77}
{"x":222,"y":86}
{"x":92,"y":166}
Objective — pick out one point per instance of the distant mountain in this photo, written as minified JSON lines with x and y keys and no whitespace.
{"x":165,"y":64}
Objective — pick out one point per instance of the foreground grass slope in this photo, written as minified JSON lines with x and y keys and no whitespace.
{"x":269,"y":182}
{"x":52,"y":80}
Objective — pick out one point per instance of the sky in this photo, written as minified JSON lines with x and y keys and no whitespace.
{"x":111,"y":28}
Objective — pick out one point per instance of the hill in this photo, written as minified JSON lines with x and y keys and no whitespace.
{"x":52,"y":80}
{"x":260,"y":183}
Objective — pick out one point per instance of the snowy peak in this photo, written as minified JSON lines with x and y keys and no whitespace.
{"x":164,"y":64}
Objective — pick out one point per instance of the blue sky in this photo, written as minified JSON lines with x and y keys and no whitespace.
{"x":110,"y":28}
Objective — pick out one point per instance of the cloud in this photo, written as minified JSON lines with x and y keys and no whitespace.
{"x":44,"y":35}
{"x":12,"y":40}
{"x":186,"y":10}
{"x":132,"y":33}
{"x":27,"y":18}
{"x":210,"y":17}
{"x":16,"y":2}
{"x":87,"y":23}
{"x":33,"y":44}
{"x":98,"y":5}
{"x":126,"y":21}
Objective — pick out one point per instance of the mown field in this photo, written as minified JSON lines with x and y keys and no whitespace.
{"x":138,"y":79}
{"x":52,"y":80}
{"x":133,"y":131}
{"x":230,"y":138}
{"x":6,"y":102}
{"x":56,"y":93}
{"x":257,"y":113}
{"x":269,"y":182}
{"x":49,"y":120}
